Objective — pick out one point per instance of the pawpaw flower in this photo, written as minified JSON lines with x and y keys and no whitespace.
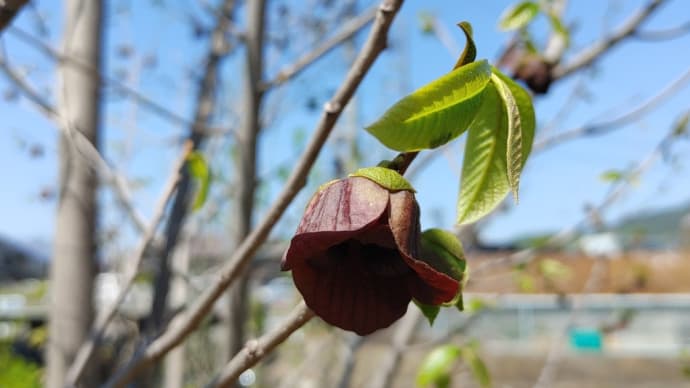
{"x":354,"y":257}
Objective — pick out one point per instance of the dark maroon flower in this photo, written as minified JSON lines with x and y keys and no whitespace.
{"x":354,"y":256}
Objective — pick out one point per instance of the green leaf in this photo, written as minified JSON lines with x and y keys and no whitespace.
{"x":559,"y":28}
{"x":470,"y":52}
{"x":436,"y":113}
{"x":429,"y":311}
{"x":527,"y":117}
{"x":518,"y":16}
{"x":437,"y":366}
{"x":471,"y":357}
{"x":385,"y":177}
{"x":445,"y":252}
{"x":611,"y":176}
{"x":484,"y":182}
{"x":514,"y":145}
{"x":200,"y":171}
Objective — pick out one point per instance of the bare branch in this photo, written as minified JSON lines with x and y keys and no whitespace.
{"x":134,"y":263}
{"x":115,"y":84}
{"x":184,"y":323}
{"x":257,"y":349}
{"x":108,"y":173}
{"x":346,"y":32}
{"x":626,"y":118}
{"x":589,"y":55}
{"x":8,"y":10}
{"x":390,"y":363}
{"x":666,"y":34}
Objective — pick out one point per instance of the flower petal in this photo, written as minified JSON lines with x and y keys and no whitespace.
{"x":334,"y":215}
{"x":341,"y":290}
{"x":434,"y":287}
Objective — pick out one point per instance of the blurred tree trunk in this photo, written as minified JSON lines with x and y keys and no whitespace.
{"x":74,"y":253}
{"x":245,"y":178}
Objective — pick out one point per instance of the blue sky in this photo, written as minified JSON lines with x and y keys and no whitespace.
{"x":555,"y":186}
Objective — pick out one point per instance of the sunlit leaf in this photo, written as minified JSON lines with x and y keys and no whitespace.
{"x":200,"y":171}
{"x":470,"y":52}
{"x":519,"y":15}
{"x":436,"y":113}
{"x":437,"y":366}
{"x":484,"y":182}
{"x":559,"y":28}
{"x":527,"y":118}
{"x":390,"y":179}
{"x":514,"y":144}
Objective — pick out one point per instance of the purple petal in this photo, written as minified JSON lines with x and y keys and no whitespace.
{"x":335,"y":214}
{"x":433,"y":287}
{"x":341,"y":288}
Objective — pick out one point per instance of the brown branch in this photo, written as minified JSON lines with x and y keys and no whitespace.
{"x":184,"y":323}
{"x":346,"y":32}
{"x":257,"y":349}
{"x":87,"y":349}
{"x":8,"y":10}
{"x":113,"y":83}
{"x":589,"y":55}
{"x":86,"y":149}
{"x":626,"y":118}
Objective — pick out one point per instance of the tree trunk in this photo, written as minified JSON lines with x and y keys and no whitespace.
{"x":74,"y":259}
{"x":245,"y":179}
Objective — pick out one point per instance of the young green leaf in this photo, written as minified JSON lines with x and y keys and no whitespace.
{"x":445,"y":252}
{"x":200,"y":171}
{"x":470,"y":52}
{"x":437,"y":366}
{"x":385,"y":177}
{"x":484,"y":183}
{"x":429,"y":311}
{"x":514,"y":144}
{"x":471,"y":357}
{"x":518,"y":16}
{"x":527,"y":118}
{"x":436,"y":113}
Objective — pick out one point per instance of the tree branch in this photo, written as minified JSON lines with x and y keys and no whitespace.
{"x":667,"y":34}
{"x":108,"y":173}
{"x":626,"y":118}
{"x":8,"y":10}
{"x":589,"y":55}
{"x":184,"y":323}
{"x":346,"y":32}
{"x":115,"y":84}
{"x":108,"y":313}
{"x":257,"y":349}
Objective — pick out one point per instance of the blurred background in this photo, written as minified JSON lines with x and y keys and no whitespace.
{"x":585,"y":282}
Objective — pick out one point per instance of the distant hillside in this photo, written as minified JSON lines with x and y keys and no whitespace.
{"x":658,"y":228}
{"x":650,"y":229}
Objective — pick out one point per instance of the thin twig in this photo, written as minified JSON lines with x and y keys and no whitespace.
{"x":87,"y":349}
{"x":114,"y":83}
{"x":257,"y":349}
{"x":108,"y":173}
{"x":8,"y":10}
{"x":184,"y":323}
{"x":626,"y":118}
{"x":589,"y":55}
{"x":568,"y":234}
{"x":346,"y":32}
{"x":667,"y":34}
{"x":390,"y":362}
